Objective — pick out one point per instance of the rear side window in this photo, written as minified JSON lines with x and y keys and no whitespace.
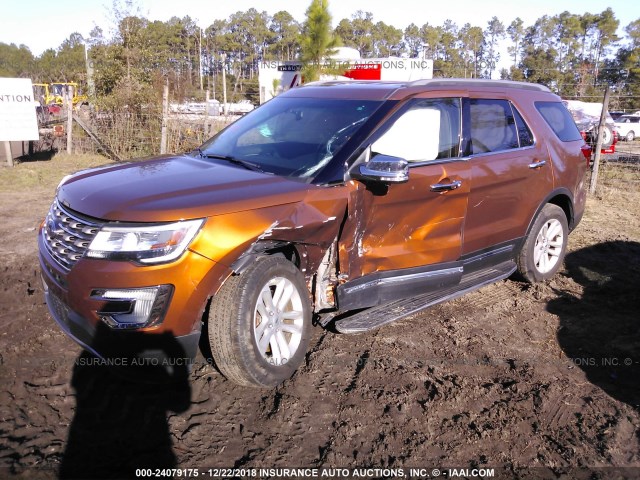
{"x":493,"y":126}
{"x":524,"y":133}
{"x":560,"y":120}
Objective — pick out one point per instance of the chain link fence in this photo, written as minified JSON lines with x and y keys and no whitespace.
{"x":127,"y":135}
{"x":621,"y":169}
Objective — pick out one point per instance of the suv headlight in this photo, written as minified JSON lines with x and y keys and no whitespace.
{"x":145,"y":244}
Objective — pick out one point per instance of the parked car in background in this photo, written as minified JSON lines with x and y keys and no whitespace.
{"x":616,"y":115}
{"x":587,"y":118}
{"x":628,"y":127}
{"x":237,"y":108}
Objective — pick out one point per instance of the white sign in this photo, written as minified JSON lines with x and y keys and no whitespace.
{"x":18,"y":119}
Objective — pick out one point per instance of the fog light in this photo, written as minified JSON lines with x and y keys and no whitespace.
{"x":133,"y":307}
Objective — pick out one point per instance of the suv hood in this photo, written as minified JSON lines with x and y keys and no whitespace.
{"x":171,"y":188}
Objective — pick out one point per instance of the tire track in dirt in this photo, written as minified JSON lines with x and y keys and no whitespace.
{"x":481,"y":380}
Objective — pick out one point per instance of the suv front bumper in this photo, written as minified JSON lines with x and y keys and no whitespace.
{"x":171,"y":342}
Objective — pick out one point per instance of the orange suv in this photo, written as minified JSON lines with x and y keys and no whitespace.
{"x":350,"y":203}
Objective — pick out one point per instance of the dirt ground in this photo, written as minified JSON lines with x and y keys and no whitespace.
{"x":536,"y":381}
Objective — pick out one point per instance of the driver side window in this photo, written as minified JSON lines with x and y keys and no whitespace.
{"x":428,"y":130}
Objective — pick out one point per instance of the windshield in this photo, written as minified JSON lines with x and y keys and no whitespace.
{"x":293,"y":137}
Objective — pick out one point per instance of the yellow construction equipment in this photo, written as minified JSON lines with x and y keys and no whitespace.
{"x":53,"y":93}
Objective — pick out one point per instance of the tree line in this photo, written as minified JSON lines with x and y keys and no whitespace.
{"x":573,"y":54}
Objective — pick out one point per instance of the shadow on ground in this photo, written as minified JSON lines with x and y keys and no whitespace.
{"x":38,"y":156}
{"x":600,"y":329}
{"x":120,"y":421}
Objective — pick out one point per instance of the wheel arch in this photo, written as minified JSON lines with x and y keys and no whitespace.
{"x":563,"y":199}
{"x":258,"y":249}
{"x":289,"y":250}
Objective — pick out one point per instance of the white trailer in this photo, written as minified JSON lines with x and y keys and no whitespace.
{"x":277,"y":77}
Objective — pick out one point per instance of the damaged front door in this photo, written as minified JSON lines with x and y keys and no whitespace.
{"x":408,"y":235}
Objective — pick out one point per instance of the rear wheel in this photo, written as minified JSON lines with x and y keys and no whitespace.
{"x":260,"y":323}
{"x":544,"y":249}
{"x":630,"y":136}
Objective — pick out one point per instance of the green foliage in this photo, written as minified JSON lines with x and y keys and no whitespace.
{"x":370,"y":39}
{"x":130,"y":94}
{"x":358,"y":33}
{"x":387,"y":40}
{"x":494,"y":32}
{"x":285,"y":36}
{"x":15,"y":61}
{"x":623,"y":72}
{"x":318,"y":41}
{"x":516,"y":33}
{"x":413,"y":40}
{"x":574,"y":54}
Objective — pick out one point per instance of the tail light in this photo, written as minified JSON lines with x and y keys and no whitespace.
{"x":615,"y":140}
{"x":586,"y":151}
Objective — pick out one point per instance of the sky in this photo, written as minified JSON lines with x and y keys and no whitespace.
{"x":42,"y":24}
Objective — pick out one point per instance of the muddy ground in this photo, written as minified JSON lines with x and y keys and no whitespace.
{"x":531,"y":380}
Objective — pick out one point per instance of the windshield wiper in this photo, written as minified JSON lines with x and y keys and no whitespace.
{"x":236,"y":161}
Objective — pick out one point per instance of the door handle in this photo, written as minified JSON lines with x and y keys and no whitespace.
{"x":539,"y":164}
{"x":444,"y":187}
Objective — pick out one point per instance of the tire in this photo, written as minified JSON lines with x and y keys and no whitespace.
{"x":248,"y":349}
{"x":607,"y":136}
{"x":629,"y":137}
{"x":546,"y":244}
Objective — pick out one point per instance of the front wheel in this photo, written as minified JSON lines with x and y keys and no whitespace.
{"x":544,"y":249}
{"x":260,"y":323}
{"x":630,"y":136}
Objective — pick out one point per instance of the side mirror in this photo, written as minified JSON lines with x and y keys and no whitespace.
{"x":384,"y":169}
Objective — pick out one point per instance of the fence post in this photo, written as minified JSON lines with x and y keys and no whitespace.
{"x":206,"y":115}
{"x":596,"y":160}
{"x":69,"y":105}
{"x":8,"y":153}
{"x":165,"y":115}
{"x":225,"y":107}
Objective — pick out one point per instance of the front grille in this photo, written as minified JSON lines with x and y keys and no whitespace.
{"x":67,"y":236}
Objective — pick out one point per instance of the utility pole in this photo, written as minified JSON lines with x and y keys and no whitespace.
{"x":206,"y":114}
{"x":165,"y":115}
{"x":89,"y":66}
{"x":69,"y":104}
{"x":8,"y":152}
{"x":596,"y":160}
{"x":201,"y":83}
{"x":225,"y":108}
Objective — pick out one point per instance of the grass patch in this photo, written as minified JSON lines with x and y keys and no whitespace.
{"x":33,"y":174}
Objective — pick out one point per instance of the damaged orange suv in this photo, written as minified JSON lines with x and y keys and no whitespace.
{"x":344,"y":203}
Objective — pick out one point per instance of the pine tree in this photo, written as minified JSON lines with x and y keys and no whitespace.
{"x":318,"y":41}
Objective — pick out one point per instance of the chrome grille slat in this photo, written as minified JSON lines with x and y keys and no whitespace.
{"x":73,"y":232}
{"x":67,"y":236}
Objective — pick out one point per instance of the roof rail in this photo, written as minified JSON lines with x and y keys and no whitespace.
{"x":472,"y":82}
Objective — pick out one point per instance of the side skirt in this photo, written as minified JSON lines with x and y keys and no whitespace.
{"x":383,"y":287}
{"x":381,"y":315}
{"x":380,"y":288}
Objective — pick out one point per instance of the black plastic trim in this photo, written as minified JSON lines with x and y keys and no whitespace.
{"x":383,"y":287}
{"x":558,"y":191}
{"x":494,"y":255}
